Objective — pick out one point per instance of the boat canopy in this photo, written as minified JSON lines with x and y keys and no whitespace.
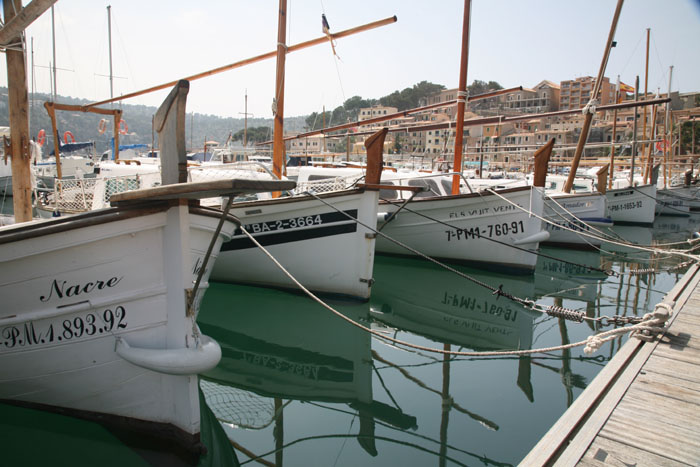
{"x":73,"y":147}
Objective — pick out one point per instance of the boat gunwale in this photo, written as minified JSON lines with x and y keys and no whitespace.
{"x":296,"y":198}
{"x":18,"y":232}
{"x":479,"y":194}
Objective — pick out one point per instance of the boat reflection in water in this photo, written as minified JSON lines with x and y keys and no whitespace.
{"x":418,"y":296}
{"x":425,"y":299}
{"x":296,"y":379}
{"x":570,"y":274}
{"x":278,"y":346}
{"x":37,"y":437}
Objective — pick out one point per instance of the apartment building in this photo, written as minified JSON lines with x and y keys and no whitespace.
{"x":576,"y":93}
{"x":542,"y":98}
{"x":375,"y":111}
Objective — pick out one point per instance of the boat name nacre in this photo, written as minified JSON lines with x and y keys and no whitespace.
{"x":77,"y":289}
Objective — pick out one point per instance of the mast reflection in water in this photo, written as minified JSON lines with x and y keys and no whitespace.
{"x":299,"y":386}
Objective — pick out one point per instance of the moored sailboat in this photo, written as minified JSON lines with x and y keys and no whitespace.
{"x":100,"y":308}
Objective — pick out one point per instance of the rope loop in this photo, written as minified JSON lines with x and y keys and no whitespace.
{"x":462,"y":96}
{"x":590,"y":107}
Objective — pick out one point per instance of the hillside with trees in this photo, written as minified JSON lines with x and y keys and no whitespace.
{"x":138,"y":118}
{"x":408,"y":98}
{"x":204,"y":127}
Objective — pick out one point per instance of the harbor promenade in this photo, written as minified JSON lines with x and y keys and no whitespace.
{"x":642,"y":408}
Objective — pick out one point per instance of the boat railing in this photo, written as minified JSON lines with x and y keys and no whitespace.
{"x":326,"y":185}
{"x":244,"y":169}
{"x":85,"y":194}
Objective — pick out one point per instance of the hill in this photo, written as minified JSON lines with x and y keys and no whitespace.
{"x":83,"y":126}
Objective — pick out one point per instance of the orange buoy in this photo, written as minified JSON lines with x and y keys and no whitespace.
{"x":123,"y":127}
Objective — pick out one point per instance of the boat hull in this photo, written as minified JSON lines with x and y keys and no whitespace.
{"x":71,"y":294}
{"x":672,"y":202}
{"x":461,"y":228}
{"x":633,"y":205}
{"x":320,"y":246}
{"x":581,"y":213}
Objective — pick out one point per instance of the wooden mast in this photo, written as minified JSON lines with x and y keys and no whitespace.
{"x":589,"y":111}
{"x":612,"y":144}
{"x":645,"y":169}
{"x":461,"y":98}
{"x":258,"y":58}
{"x":668,"y":168}
{"x":650,"y":147}
{"x":634,"y":132}
{"x":393,"y":116}
{"x":19,"y":121}
{"x":278,"y":102}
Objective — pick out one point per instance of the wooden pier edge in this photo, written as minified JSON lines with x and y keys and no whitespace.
{"x":568,"y":439}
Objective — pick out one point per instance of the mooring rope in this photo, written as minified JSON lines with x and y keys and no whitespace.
{"x":629,"y":245}
{"x":656,"y":200}
{"x":536,"y":253}
{"x":649,"y":326}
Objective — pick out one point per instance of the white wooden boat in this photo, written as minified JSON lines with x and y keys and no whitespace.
{"x":583,"y":210}
{"x":580,"y":212}
{"x":314,"y":239}
{"x":673,"y":201}
{"x":634,"y":205}
{"x":99,"y":309}
{"x":460,"y":228}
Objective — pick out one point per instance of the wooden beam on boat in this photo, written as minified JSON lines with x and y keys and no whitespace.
{"x":461,"y":98}
{"x":15,"y":25}
{"x":199,"y":190}
{"x":18,"y":100}
{"x":594,"y":95}
{"x":384,"y":118}
{"x":258,"y":58}
{"x":278,"y":103}
{"x":52,"y":107}
{"x":541,"y":163}
{"x":371,"y":186}
{"x":489,"y":120}
{"x":602,"y":175}
{"x":375,"y":153}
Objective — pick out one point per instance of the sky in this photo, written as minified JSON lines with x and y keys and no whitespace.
{"x":513,"y":42}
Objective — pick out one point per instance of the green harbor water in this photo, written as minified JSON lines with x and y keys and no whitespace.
{"x":299,"y":386}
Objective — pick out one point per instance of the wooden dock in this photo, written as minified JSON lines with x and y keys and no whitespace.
{"x":643,"y":408}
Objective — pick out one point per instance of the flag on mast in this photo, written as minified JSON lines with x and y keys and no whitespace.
{"x":327,"y":31}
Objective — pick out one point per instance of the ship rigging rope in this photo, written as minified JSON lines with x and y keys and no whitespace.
{"x":646,"y":327}
{"x":629,"y":245}
{"x":656,"y":200}
{"x":606,"y":236}
{"x":536,"y":253}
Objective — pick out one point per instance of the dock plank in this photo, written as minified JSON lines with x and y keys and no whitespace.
{"x":681,"y":370}
{"x":688,"y":357}
{"x":673,"y":409}
{"x":641,"y":409}
{"x":659,"y":438}
{"x":612,"y":453}
{"x":667,"y":385}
